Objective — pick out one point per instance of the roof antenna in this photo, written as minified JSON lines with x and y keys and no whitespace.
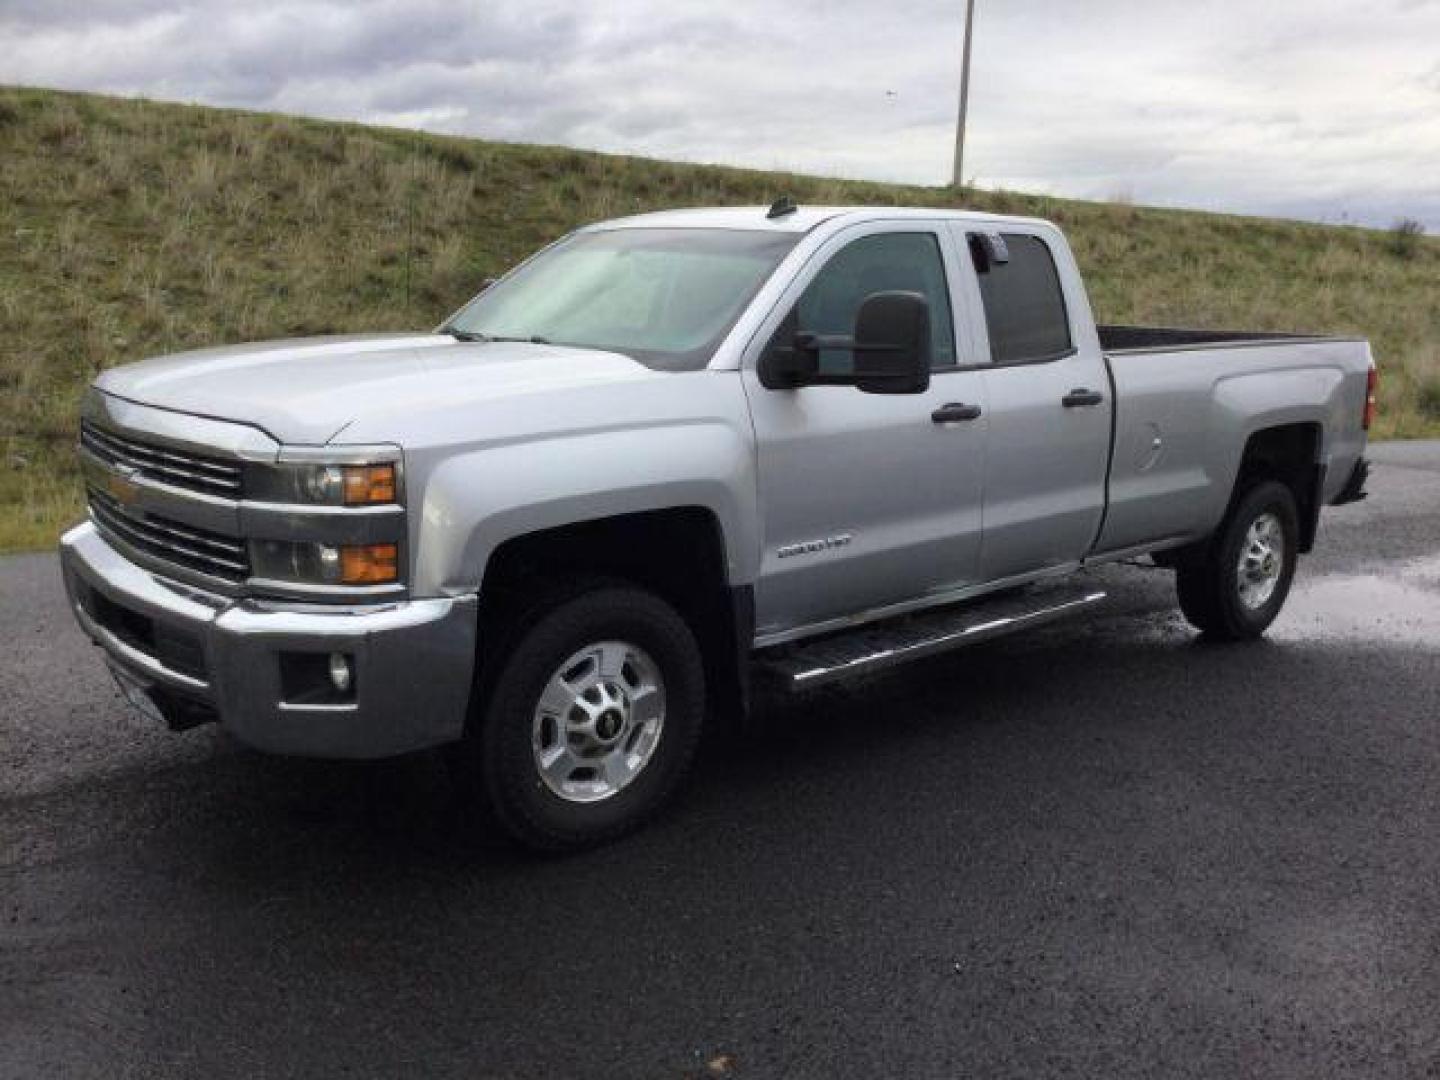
{"x":782,"y":206}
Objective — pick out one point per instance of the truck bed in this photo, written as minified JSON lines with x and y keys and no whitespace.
{"x":1140,"y":339}
{"x":1187,"y":403}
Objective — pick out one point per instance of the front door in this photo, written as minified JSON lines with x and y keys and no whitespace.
{"x":867,"y":500}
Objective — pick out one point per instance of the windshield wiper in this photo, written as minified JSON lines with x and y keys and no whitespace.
{"x":475,"y":335}
{"x":462,"y":335}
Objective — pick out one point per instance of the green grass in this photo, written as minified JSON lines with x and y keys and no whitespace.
{"x":130,"y":228}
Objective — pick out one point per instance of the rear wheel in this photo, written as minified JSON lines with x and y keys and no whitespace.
{"x":1233,"y":588}
{"x":592,"y":720}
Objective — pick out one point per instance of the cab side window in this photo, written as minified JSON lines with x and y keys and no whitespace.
{"x":908,"y":261}
{"x":1024,"y":303}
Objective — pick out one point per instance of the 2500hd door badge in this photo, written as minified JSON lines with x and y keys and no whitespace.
{"x":813,"y":547}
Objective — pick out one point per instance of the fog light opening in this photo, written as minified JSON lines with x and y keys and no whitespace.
{"x":341,"y":675}
{"x":320,"y":679}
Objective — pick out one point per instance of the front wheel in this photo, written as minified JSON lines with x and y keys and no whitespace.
{"x":592,"y":720}
{"x":1234,"y":587}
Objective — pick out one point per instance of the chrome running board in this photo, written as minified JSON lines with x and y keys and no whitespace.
{"x":819,"y":661}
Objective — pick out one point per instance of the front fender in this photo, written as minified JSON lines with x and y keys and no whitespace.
{"x":476,"y":500}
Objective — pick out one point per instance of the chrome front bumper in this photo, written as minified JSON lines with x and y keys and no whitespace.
{"x":202,"y":653}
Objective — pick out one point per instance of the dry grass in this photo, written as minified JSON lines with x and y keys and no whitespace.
{"x":130,"y":228}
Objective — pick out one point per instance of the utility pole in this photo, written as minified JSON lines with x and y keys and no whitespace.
{"x":958,"y":179}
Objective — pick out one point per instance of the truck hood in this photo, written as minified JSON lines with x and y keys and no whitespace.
{"x":308,"y":391}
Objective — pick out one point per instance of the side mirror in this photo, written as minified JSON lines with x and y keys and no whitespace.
{"x":892,"y":343}
{"x":789,"y":367}
{"x":891,"y":347}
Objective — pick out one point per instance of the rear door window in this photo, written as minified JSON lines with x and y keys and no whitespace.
{"x":1024,"y":303}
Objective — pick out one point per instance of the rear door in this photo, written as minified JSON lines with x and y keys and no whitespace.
{"x":1048,"y":398}
{"x":866,"y":500}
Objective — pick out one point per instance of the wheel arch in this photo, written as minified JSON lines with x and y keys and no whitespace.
{"x":678,"y":553}
{"x":1291,"y":454}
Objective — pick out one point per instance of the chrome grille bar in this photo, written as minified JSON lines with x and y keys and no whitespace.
{"x":180,"y":468}
{"x":209,"y":553}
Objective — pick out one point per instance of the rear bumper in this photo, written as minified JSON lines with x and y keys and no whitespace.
{"x":209,"y":655}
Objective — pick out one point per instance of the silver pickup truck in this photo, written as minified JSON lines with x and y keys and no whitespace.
{"x":663,"y":457}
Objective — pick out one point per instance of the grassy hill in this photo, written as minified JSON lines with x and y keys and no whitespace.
{"x":129,"y":228}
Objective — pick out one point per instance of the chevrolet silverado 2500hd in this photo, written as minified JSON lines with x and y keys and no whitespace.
{"x":664,"y":455}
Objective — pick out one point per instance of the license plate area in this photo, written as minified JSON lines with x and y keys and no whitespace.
{"x":138,"y":696}
{"x":157,"y":705}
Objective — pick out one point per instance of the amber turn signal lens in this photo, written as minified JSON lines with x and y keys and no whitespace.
{"x":366,"y":484}
{"x":370,"y":564}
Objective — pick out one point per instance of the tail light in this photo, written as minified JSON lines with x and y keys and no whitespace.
{"x":1372,"y":383}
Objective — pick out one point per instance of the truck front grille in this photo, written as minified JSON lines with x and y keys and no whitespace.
{"x":179,"y":468}
{"x":160,"y":538}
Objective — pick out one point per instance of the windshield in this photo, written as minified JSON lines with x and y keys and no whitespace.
{"x":665,"y":297}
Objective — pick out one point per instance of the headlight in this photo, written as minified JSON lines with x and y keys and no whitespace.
{"x":331,"y":519}
{"x":325,"y":485}
{"x":325,"y":564}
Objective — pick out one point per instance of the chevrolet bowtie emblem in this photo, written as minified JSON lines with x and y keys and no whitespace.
{"x":122,"y":486}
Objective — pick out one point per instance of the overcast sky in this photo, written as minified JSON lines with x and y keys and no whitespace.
{"x":1324,"y":109}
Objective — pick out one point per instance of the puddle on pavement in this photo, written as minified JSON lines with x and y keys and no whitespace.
{"x":1403,"y":606}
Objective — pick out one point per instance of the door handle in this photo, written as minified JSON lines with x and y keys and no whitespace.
{"x":1080,"y":398}
{"x":955,"y":411}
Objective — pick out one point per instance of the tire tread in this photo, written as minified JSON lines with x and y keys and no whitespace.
{"x":548,"y":625}
{"x":1204,"y":578}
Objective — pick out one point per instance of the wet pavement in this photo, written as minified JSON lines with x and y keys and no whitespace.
{"x":1100,"y":850}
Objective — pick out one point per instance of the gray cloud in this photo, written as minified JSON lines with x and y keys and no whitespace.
{"x":1313,"y":108}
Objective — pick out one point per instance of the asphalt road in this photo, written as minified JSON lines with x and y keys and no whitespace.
{"x":1100,"y":850}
